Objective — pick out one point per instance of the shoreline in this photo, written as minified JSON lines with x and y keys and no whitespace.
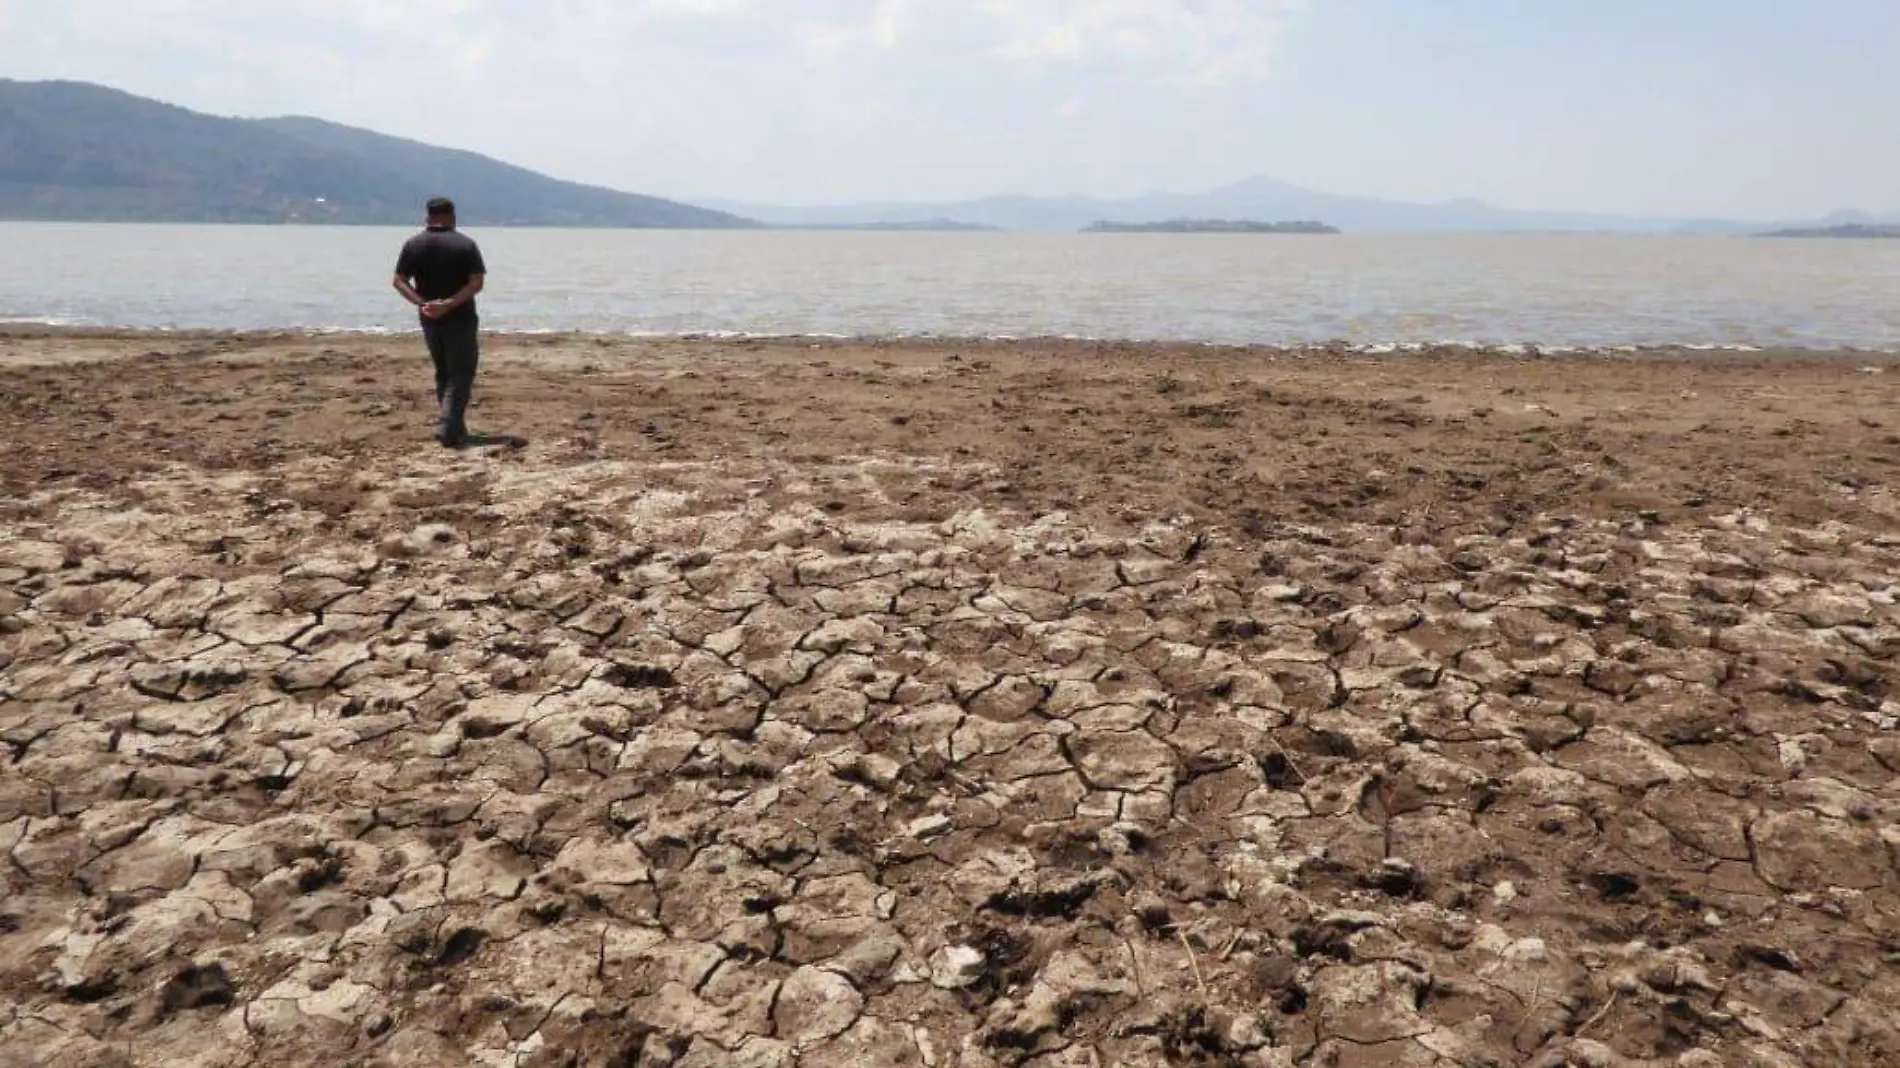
{"x":17,"y":330}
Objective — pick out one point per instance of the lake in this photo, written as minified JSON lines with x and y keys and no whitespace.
{"x":1364,"y":289}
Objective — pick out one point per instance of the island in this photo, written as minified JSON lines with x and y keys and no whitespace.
{"x":1209,"y":226}
{"x":1889,"y":230}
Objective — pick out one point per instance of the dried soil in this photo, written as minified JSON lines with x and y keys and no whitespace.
{"x":945,"y":704}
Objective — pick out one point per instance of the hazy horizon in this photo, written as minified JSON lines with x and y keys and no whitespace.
{"x":1663,"y":108}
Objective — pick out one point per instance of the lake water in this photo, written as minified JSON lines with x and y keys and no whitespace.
{"x":1367,"y":290}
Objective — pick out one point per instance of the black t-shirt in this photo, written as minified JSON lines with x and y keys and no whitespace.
{"x":439,"y":263}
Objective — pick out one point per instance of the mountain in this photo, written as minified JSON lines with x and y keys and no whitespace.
{"x":1854,"y":229}
{"x":1255,"y":198}
{"x":80,"y":152}
{"x":1210,"y":226}
{"x":913,"y":226}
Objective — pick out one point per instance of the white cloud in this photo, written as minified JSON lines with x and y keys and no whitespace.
{"x":1204,"y":41}
{"x":1210,"y":41}
{"x":701,"y":8}
{"x":881,"y":27}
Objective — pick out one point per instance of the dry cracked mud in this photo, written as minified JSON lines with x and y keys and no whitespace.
{"x":838,"y":719}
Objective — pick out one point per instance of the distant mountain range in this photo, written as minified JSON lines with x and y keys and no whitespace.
{"x":79,"y":152}
{"x":1880,"y":230}
{"x":74,"y":151}
{"x":1260,"y":198}
{"x":918,"y":226}
{"x":1209,"y":226}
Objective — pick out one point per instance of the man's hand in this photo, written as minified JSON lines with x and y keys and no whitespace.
{"x":436,"y":309}
{"x":408,"y":290}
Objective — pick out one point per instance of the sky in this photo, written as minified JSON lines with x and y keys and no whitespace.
{"x":1744,"y":108}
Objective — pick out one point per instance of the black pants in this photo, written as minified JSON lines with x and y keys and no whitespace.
{"x":455,"y":346}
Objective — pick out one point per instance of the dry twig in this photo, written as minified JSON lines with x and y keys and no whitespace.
{"x":1194,"y":962}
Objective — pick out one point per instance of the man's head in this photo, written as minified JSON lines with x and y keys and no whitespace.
{"x":441,"y":213}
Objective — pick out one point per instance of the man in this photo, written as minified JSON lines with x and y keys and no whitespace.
{"x":440,"y":271}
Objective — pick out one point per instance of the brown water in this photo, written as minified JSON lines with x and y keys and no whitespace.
{"x":1367,"y":290}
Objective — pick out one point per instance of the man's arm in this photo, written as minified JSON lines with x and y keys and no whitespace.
{"x":438,"y":308}
{"x":404,"y":279}
{"x":408,"y":290}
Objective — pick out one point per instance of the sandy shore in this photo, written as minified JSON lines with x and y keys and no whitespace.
{"x":945,"y":704}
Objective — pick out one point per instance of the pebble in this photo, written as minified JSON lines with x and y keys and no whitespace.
{"x":925,"y":828}
{"x":956,"y":967}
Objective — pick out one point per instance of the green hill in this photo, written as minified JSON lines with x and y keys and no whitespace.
{"x":77,"y":152}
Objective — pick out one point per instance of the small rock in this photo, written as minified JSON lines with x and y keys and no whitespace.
{"x":1249,"y":1032}
{"x":425,"y":539}
{"x":1395,"y":876}
{"x":1587,"y":1054}
{"x":1527,"y":950}
{"x":1026,"y":1026}
{"x":873,"y":958}
{"x":956,"y":967}
{"x":1121,"y":839}
{"x":925,"y":828}
{"x":1370,"y":1004}
{"x":874,"y":769}
{"x":815,"y":1005}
